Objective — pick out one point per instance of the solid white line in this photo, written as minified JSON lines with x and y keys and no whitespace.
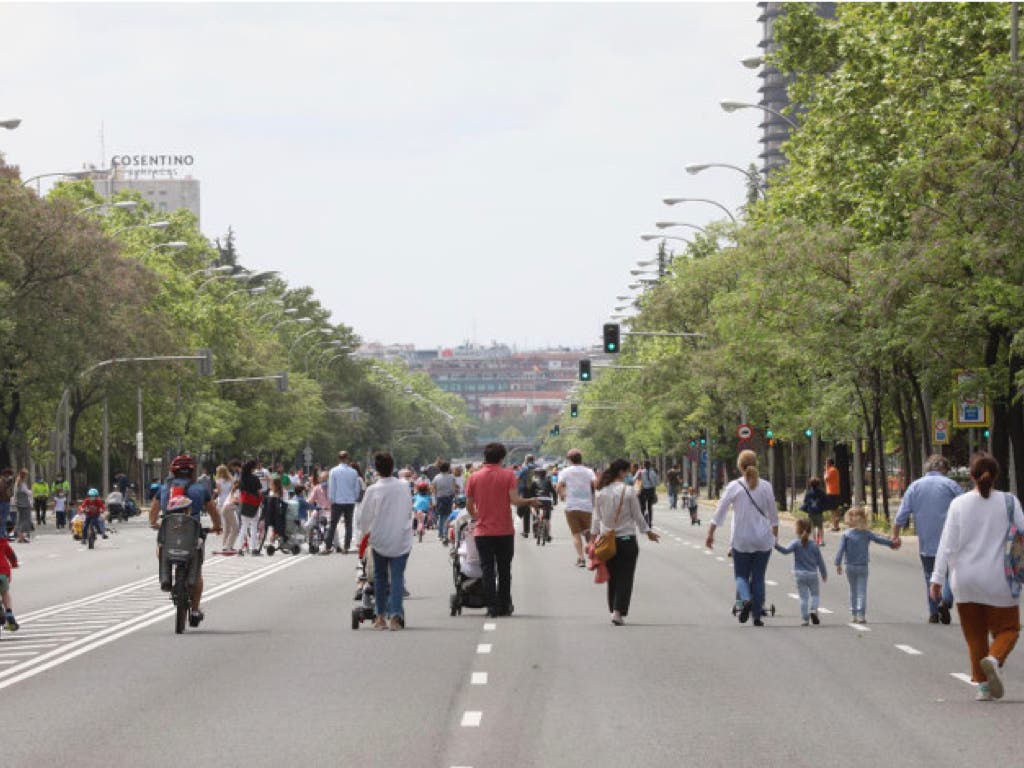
{"x":14,"y":645}
{"x":824,"y":610}
{"x":963,"y":678}
{"x":5,"y":653}
{"x":771,"y":583}
{"x":909,"y":650}
{"x":479,"y":678}
{"x":483,"y":648}
{"x":859,"y":627}
{"x":793,"y":595}
{"x":490,"y":626}
{"x":43,"y":662}
{"x":471,"y":719}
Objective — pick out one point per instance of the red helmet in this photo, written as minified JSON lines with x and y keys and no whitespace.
{"x":183,"y":465}
{"x":423,"y":485}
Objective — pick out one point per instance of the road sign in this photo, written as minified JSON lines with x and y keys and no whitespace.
{"x":970,"y":409}
{"x":744,"y":432}
{"x":940,"y":432}
{"x":140,"y":452}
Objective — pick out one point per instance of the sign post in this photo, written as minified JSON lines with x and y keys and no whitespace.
{"x":940,"y":432}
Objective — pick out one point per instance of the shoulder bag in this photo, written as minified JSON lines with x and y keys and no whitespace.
{"x":1014,"y":551}
{"x":752,"y":500}
{"x":604,"y":545}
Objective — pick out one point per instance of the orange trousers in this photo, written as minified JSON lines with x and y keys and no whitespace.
{"x":978,"y":622}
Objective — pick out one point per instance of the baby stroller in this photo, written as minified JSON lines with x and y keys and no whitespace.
{"x":467,"y":575}
{"x":317,"y":534}
{"x":542,"y":521}
{"x":290,"y":535}
{"x":364,"y":609}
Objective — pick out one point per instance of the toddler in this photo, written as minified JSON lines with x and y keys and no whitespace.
{"x":807,"y":564}
{"x":8,"y":560}
{"x":854,"y":547}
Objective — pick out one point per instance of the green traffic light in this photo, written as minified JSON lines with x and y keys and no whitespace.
{"x":809,"y":432}
{"x":769,"y":433}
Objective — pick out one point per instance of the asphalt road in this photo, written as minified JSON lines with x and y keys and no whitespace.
{"x":276,"y":676}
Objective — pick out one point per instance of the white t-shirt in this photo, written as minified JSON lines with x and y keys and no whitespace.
{"x":579,"y":482}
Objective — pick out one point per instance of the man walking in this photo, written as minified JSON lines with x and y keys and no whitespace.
{"x":648,"y":492}
{"x":524,"y":480}
{"x":832,"y":492}
{"x":673,"y":480}
{"x":490,"y":492}
{"x":928,"y":499}
{"x":444,"y":487}
{"x":40,"y":497}
{"x":343,"y":488}
{"x":576,"y":488}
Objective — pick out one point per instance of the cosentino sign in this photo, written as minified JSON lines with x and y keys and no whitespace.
{"x":151,"y":161}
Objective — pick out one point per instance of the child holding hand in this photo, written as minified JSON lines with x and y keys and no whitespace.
{"x":8,"y":560}
{"x":853,"y":546}
{"x":807,"y":564}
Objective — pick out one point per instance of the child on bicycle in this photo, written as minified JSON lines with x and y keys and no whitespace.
{"x":8,"y":560}
{"x":93,"y":508}
{"x":423,"y":505}
{"x":542,"y":488}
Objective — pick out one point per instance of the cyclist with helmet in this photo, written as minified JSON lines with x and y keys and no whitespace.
{"x":93,"y":508}
{"x":182,"y":484}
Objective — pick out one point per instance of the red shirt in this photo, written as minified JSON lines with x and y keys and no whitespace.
{"x":92,"y":507}
{"x":489,"y":488}
{"x":7,"y":557}
{"x":832,"y":481}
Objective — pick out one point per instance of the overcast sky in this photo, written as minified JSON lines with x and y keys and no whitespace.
{"x":437,"y":173}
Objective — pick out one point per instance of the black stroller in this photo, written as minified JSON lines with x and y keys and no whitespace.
{"x":466,"y":572}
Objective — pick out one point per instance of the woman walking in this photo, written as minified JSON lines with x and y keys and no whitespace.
{"x":226,"y":505}
{"x":971,"y":550}
{"x":386,"y":515}
{"x":755,"y":528}
{"x":617,"y":508}
{"x":250,"y":494}
{"x":23,"y":506}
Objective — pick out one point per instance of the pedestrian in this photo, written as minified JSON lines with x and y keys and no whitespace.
{"x":617,"y":508}
{"x":807,"y":564}
{"x":814,"y":505}
{"x":460,"y":480}
{"x":6,"y":493}
{"x":673,"y":484}
{"x":444,"y":489}
{"x":755,"y":527}
{"x":524,"y":481}
{"x":972,"y":553}
{"x":928,"y":499}
{"x":490,"y":493}
{"x":648,"y":483}
{"x":23,"y":506}
{"x":8,"y":560}
{"x":318,"y":501}
{"x":832,"y":492}
{"x":227,"y":504}
{"x":576,"y":487}
{"x":60,"y":508}
{"x":344,"y":487}
{"x":693,"y":506}
{"x":853,"y":548}
{"x":40,"y":498}
{"x":115,"y":505}
{"x":250,"y":494}
{"x":386,"y":516}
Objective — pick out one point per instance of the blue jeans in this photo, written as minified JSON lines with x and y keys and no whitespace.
{"x":928,"y":564}
{"x":444,"y":509}
{"x":857,"y":575}
{"x":807,"y":586}
{"x":92,"y":521}
{"x":749,"y":569}
{"x":673,"y":497}
{"x":5,"y":513}
{"x":389,"y":584}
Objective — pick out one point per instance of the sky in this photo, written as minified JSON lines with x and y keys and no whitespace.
{"x":436,"y":172}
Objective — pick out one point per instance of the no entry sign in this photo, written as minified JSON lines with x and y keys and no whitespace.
{"x":744,"y":432}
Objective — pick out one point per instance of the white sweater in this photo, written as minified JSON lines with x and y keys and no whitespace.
{"x":386,"y":514}
{"x":972,"y":547}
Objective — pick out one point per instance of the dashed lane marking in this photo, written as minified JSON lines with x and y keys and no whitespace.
{"x":859,"y":627}
{"x":490,"y":626}
{"x":479,"y":678}
{"x":824,"y":610}
{"x":910,"y":651}
{"x":720,"y":559}
{"x":793,"y":595}
{"x":963,"y":678}
{"x":771,"y":583}
{"x":483,"y":648}
{"x":471,"y":719}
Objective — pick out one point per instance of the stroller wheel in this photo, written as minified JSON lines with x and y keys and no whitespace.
{"x":313,"y":549}
{"x":771,"y":610}
{"x":453,"y":604}
{"x":271,"y":550}
{"x":296,"y":549}
{"x":357,"y":617}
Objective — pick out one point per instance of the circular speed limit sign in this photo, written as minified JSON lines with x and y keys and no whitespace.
{"x":744,"y":432}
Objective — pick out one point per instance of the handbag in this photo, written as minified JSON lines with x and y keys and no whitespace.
{"x":604,"y":545}
{"x":1014,"y":551}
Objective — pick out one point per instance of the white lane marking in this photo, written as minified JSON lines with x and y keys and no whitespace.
{"x":4,"y":663}
{"x":471,"y":719}
{"x":793,"y":595}
{"x":483,"y":648}
{"x":908,"y":650}
{"x":859,"y":627}
{"x":5,"y":653}
{"x":73,"y":650}
{"x":707,"y":552}
{"x":479,"y":678}
{"x":963,"y":678}
{"x":490,"y":626}
{"x":824,"y":610}
{"x":720,"y":559}
{"x":14,"y":645}
{"x":771,"y":583}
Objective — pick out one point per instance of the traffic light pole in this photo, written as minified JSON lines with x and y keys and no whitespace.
{"x":665,"y":334}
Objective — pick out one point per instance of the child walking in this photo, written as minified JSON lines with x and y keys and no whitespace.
{"x":807,"y":564}
{"x":853,"y":546}
{"x":8,"y":560}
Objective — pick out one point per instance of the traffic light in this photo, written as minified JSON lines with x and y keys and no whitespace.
{"x":769,"y":433}
{"x":584,"y":370}
{"x":703,"y":440}
{"x":693,"y":442}
{"x":574,"y":410}
{"x":986,"y":433}
{"x":808,"y":433}
{"x":611,"y":338}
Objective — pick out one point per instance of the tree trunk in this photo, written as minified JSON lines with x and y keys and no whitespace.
{"x":876,"y":397}
{"x":1016,"y":424}
{"x":922,"y":414}
{"x":1000,"y":409}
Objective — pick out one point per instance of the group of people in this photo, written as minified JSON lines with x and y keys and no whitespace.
{"x":27,"y":496}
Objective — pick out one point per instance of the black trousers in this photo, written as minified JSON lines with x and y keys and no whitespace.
{"x":339,"y":511}
{"x":40,"y":505}
{"x":621,"y":569}
{"x":524,"y":514}
{"x":496,"y":560}
{"x":646,"y":498}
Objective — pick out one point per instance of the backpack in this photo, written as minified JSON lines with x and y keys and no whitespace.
{"x":1014,"y":550}
{"x":812,"y":503}
{"x":525,"y":480}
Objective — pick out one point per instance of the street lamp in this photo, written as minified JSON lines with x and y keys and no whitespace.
{"x":235,"y":276}
{"x":124,"y":205}
{"x":251,"y":291}
{"x":677,"y":200}
{"x":68,"y":174}
{"x":647,"y":237}
{"x":158,"y":225}
{"x":10,"y":125}
{"x":209,"y":271}
{"x":752,"y":62}
{"x":731,"y":106}
{"x":292,"y":320}
{"x":278,"y":303}
{"x":695,"y":168}
{"x":668,"y":224}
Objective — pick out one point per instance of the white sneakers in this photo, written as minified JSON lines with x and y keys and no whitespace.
{"x":990,"y":666}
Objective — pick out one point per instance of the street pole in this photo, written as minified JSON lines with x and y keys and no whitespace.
{"x":1014,"y":24}
{"x":140,"y":449}
{"x":106,"y":448}
{"x":858,"y":469}
{"x":707,"y":465}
